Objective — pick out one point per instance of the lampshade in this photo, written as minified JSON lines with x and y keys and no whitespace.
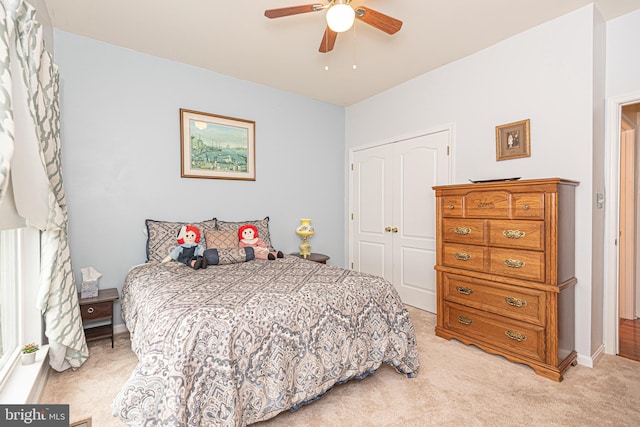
{"x":340,"y":17}
{"x":305,"y":229}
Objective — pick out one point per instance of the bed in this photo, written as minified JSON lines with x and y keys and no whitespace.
{"x":235,"y":344}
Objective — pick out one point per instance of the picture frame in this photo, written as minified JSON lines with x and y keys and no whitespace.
{"x":216,"y":147}
{"x":512,"y":140}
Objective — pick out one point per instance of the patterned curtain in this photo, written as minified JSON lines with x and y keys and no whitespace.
{"x":29,"y":98}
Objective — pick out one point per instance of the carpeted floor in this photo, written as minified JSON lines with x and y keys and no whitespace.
{"x":457,"y":385}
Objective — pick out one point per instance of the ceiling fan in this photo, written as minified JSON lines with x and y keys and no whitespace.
{"x":340,"y":17}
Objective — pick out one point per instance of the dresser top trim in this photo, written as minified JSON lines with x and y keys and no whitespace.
{"x":510,"y":184}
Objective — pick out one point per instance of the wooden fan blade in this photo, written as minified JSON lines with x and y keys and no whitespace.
{"x":328,"y":40}
{"x":292,"y":10}
{"x":378,"y":20}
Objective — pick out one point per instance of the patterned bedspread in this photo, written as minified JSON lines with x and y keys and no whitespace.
{"x":235,"y":344}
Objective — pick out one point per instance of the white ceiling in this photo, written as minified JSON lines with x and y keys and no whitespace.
{"x":233,"y":37}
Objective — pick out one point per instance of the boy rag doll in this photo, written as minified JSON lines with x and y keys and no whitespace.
{"x":248,"y":235}
{"x":190,"y":251}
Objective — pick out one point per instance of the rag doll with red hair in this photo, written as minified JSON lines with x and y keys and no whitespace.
{"x":190,"y":252}
{"x":248,"y":236}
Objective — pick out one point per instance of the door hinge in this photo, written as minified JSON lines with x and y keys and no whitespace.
{"x":352,"y":266}
{"x":448,"y":151}
{"x":352,"y":216}
{"x":352,"y":166}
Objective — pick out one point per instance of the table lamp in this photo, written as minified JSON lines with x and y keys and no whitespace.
{"x":305,"y":231}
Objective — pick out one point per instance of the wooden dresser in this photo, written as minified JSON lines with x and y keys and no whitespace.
{"x":505,"y":270}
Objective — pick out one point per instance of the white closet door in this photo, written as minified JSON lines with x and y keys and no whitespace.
{"x":393,"y":228}
{"x":371,"y":202}
{"x":419,"y":164}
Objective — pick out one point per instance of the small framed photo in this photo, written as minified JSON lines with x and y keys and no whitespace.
{"x":217,"y":147}
{"x":512,"y":140}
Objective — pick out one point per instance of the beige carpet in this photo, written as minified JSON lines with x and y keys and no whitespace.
{"x":457,"y":385}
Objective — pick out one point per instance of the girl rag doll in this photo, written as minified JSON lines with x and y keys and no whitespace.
{"x":248,"y":235}
{"x":190,"y":252}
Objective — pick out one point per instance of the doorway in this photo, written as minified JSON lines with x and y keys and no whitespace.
{"x":629,"y":257}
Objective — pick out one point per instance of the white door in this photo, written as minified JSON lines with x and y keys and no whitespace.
{"x":394,"y":213}
{"x":372,"y":210}
{"x":419,"y":164}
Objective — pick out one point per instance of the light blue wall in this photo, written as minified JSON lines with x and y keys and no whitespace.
{"x":120,"y":138}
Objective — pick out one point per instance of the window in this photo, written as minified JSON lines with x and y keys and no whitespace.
{"x":9,"y":312}
{"x":18,"y":289}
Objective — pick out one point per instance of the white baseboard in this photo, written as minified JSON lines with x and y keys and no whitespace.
{"x":120,"y":328}
{"x":591,"y":361}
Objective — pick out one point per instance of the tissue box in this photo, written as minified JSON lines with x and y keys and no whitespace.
{"x":90,"y":277}
{"x":89,"y":289}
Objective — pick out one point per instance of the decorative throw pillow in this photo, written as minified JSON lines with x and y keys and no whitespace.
{"x":162,"y":235}
{"x":261,"y":224}
{"x":228,"y":256}
{"x":217,"y":239}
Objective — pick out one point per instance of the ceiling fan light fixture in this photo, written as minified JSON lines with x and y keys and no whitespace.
{"x":340,"y":17}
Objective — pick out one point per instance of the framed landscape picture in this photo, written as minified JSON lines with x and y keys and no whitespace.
{"x":512,"y":140}
{"x":218,"y":147}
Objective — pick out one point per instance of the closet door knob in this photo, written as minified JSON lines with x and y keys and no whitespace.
{"x":387,"y":229}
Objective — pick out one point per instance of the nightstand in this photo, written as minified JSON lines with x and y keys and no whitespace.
{"x":321,"y":258}
{"x":96,"y":312}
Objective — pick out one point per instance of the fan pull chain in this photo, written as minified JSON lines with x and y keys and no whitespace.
{"x":326,"y":55}
{"x":354,"y":46}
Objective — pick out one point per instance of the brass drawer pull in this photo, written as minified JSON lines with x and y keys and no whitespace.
{"x":525,"y":207}
{"x":516,"y":336}
{"x":451,"y":206}
{"x":462,"y":230}
{"x":464,"y":320}
{"x":90,"y":310}
{"x":514,"y":263}
{"x":463,"y":290}
{"x":515,"y":302}
{"x":514,"y":234}
{"x":461,"y":256}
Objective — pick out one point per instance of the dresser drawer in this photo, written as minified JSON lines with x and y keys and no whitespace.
{"x":509,"y":335}
{"x":517,"y":263}
{"x":515,"y":302}
{"x":487,"y":204}
{"x":96,"y":311}
{"x":464,"y":256}
{"x":517,"y":234}
{"x":463,"y":231}
{"x":452,"y":206}
{"x":528,"y":205}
